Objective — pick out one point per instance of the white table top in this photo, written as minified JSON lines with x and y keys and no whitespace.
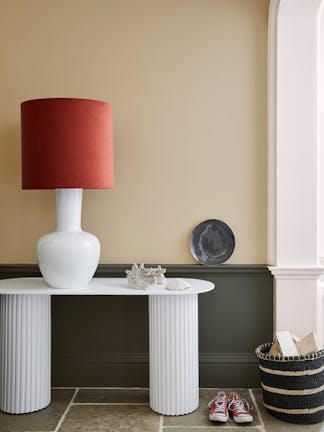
{"x":98,"y":286}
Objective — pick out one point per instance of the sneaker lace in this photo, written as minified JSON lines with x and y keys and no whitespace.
{"x":219,"y":404}
{"x":239,"y":405}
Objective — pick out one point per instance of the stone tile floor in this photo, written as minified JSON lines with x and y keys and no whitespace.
{"x":127,"y":410}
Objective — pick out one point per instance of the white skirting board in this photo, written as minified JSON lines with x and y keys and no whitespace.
{"x":25,"y":352}
{"x":174,"y":374}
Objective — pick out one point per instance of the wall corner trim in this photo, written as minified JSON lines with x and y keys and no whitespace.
{"x":296,"y":272}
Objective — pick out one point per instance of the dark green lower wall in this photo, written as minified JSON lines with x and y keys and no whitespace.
{"x":103,"y":341}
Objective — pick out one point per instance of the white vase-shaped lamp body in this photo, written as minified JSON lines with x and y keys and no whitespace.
{"x":68,"y":257}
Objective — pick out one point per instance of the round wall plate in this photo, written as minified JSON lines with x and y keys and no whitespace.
{"x":212,"y":242}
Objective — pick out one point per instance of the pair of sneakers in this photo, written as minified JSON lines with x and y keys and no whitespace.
{"x":222,"y":405}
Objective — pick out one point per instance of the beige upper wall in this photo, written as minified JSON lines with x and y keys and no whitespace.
{"x":187,"y":81}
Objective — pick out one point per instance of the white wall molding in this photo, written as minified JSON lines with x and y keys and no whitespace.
{"x":295,"y":123}
{"x":296,"y":272}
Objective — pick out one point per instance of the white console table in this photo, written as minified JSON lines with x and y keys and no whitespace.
{"x":25,"y":342}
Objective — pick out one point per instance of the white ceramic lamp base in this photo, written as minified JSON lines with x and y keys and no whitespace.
{"x":68,"y":257}
{"x":25,"y":353}
{"x":174,"y":374}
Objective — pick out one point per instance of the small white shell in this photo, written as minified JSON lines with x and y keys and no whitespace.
{"x":178,"y":285}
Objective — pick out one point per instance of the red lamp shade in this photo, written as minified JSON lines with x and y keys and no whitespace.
{"x":66,"y":143}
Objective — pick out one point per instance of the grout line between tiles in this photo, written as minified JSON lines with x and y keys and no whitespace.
{"x":146,"y":388}
{"x":109,"y":403}
{"x":103,"y":388}
{"x":66,"y":411}
{"x":211,"y":426}
{"x":161,"y":424}
{"x":63,"y":388}
{"x":257,"y":409}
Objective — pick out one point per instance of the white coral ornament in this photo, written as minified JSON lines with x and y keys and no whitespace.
{"x":140,"y":277}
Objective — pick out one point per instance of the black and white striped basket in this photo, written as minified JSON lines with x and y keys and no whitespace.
{"x":293,"y":387}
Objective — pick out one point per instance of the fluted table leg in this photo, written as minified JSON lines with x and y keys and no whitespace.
{"x":25,"y":352}
{"x":174,"y":375}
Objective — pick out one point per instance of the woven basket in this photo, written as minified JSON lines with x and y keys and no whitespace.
{"x":293,"y":387}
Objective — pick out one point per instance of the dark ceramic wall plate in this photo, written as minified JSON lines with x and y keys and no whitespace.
{"x":212,"y":242}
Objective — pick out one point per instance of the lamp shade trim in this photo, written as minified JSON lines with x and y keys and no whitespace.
{"x":67,"y":143}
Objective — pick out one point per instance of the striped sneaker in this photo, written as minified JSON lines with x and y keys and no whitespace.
{"x":240,"y":409}
{"x":218,"y":408}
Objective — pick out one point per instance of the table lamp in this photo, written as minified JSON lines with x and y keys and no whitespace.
{"x":67,"y":145}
